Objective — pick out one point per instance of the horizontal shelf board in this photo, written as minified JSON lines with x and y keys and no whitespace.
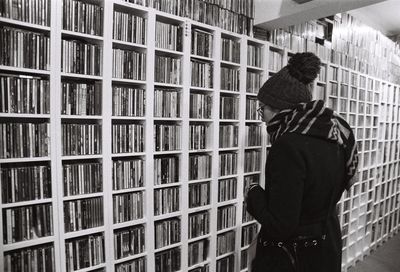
{"x":226,"y":33}
{"x":167,"y":185}
{"x":87,"y":269}
{"x":85,"y":232}
{"x":229,"y":120}
{"x":278,"y":48}
{"x":258,"y":42}
{"x":160,"y":84}
{"x":200,"y":120}
{"x":170,"y":18}
{"x":80,"y":117}
{"x":255,"y":68}
{"x":249,"y":223}
{"x":76,"y":197}
{"x":202,"y":58}
{"x":135,"y":7}
{"x":199,"y":181}
{"x":24,"y":24}
{"x":130,"y":190}
{"x":169,"y":51}
{"x":135,"y":45}
{"x":127,"y":80}
{"x":28,"y":159}
{"x":29,"y":243}
{"x":206,"y":236}
{"x":228,"y":202}
{"x":199,"y":209}
{"x":81,"y":76}
{"x":82,"y":157}
{"x":167,"y":215}
{"x":130,"y":258}
{"x":168,"y":247}
{"x":203,"y":89}
{"x":229,"y":63}
{"x":251,"y":94}
{"x":129,"y":223}
{"x":223,"y":149}
{"x":81,"y":35}
{"x":140,"y":118}
{"x":121,"y":155}
{"x":26,"y":203}
{"x":25,"y":115}
{"x":253,"y":147}
{"x":35,"y":72}
{"x":245,"y":247}
{"x":253,"y":121}
{"x":194,"y":151}
{"x":168,"y":119}
{"x":251,"y":173}
{"x":228,"y":176}
{"x":204,"y":27}
{"x":167,"y":152}
{"x":229,"y":92}
{"x":199,"y":265}
{"x":225,"y":255}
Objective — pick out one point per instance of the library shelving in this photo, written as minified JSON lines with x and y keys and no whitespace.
{"x":139,"y":137}
{"x":28,"y":199}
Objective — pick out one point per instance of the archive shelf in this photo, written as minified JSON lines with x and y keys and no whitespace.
{"x":16,"y":168}
{"x":376,"y":102}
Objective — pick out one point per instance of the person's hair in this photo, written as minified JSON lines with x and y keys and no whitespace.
{"x":305,"y":67}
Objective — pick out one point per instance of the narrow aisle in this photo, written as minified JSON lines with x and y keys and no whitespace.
{"x":385,"y":259}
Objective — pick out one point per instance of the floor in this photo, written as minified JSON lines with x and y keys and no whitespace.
{"x":385,"y":259}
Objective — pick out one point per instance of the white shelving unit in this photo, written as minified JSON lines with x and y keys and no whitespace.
{"x":369,"y":213}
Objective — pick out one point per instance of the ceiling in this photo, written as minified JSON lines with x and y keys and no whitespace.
{"x":383,"y":15}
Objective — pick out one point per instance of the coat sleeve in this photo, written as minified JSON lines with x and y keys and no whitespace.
{"x":279,"y":213}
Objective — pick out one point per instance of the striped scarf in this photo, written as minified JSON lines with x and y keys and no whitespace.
{"x":314,"y":119}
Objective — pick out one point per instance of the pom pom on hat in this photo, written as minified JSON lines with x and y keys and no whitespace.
{"x":288,"y":87}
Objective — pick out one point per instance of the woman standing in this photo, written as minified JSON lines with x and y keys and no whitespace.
{"x":313,"y":158}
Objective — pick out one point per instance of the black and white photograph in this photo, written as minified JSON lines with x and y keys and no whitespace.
{"x":199,"y":135}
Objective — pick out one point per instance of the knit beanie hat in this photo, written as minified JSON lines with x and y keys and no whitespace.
{"x":288,"y":87}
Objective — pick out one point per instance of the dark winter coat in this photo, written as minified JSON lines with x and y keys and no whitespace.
{"x":302,"y":173}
